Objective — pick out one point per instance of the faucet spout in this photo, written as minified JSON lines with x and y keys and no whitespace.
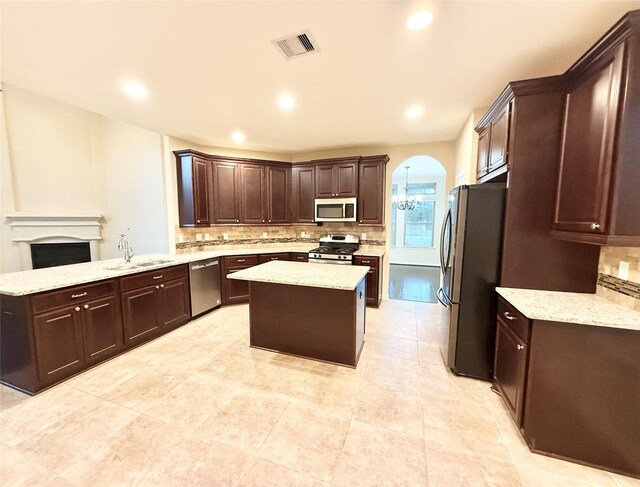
{"x":123,"y":246}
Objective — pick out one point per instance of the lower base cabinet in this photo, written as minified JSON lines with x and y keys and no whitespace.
{"x":374,"y":278}
{"x":235,"y":291}
{"x":101,"y":328}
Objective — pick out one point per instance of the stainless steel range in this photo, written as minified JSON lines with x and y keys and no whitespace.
{"x":335,"y":249}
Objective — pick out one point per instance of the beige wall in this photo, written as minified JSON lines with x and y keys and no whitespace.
{"x":61,"y":160}
{"x":467,"y":149}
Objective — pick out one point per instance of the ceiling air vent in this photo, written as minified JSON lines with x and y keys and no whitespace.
{"x":296,"y":45}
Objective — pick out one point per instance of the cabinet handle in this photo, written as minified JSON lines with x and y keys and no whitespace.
{"x":86,"y":306}
{"x":595,"y":226}
{"x":157,"y":287}
{"x":365,"y":261}
{"x":241,"y":260}
{"x":520,"y":347}
{"x":77,"y":308}
{"x":509,"y":316}
{"x":158,"y":277}
{"x":161,"y":285}
{"x":75,"y":296}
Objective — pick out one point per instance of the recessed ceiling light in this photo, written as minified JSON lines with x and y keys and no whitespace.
{"x":419,"y":20}
{"x":286,"y":102}
{"x":238,"y":137}
{"x":414,"y":111}
{"x":135,"y":90}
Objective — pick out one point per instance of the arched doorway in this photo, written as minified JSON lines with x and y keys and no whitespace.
{"x":418,"y":203}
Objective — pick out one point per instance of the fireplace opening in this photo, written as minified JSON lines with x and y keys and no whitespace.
{"x":55,"y":254}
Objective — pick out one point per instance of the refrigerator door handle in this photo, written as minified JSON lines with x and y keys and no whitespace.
{"x":438,"y":293}
{"x":445,"y":225}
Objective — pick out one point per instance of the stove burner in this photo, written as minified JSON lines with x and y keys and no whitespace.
{"x":333,"y":250}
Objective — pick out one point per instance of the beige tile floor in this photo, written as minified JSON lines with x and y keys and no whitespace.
{"x":199,"y":407}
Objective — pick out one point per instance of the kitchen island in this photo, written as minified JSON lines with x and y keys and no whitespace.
{"x":310,"y":310}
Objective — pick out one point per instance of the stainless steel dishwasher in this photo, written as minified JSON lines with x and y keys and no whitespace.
{"x":205,"y":285}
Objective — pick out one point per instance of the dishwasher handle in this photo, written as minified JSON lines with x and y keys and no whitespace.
{"x":202,"y":266}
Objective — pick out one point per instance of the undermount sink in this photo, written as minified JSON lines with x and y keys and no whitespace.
{"x":151,"y":262}
{"x":122,"y":267}
{"x":136,"y":265}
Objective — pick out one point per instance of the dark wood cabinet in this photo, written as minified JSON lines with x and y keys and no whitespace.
{"x":58,"y":339}
{"x":278,"y":189}
{"x":252,"y":193}
{"x":225,"y":192}
{"x":154,"y":302}
{"x":371,"y":182}
{"x":498,"y":143}
{"x":303,"y":192}
{"x":337,"y":178}
{"x":597,"y":194}
{"x":235,"y":291}
{"x":373,"y":279}
{"x":483,"y":153}
{"x":102,"y":330}
{"x":193,"y":190}
{"x":269,"y":257}
{"x":299,"y":256}
{"x":509,"y":369}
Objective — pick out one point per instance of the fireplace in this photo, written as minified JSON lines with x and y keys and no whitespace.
{"x":54,"y":254}
{"x":45,"y":241}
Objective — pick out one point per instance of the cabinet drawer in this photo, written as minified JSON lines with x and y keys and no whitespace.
{"x":78,"y":294}
{"x":269,"y":257}
{"x":244,"y":260}
{"x":515,"y":320}
{"x":299,"y":257}
{"x":152,"y":277}
{"x":364,"y":260}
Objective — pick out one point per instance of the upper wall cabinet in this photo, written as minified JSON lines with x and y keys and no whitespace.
{"x":252,"y":193}
{"x":371,"y":182}
{"x":337,"y":178}
{"x":278,"y":189}
{"x":493,"y":140}
{"x":303,"y":193}
{"x":225,"y":192}
{"x":193,"y":192}
{"x":597,"y":198}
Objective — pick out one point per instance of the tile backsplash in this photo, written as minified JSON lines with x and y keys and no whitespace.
{"x":190,"y":238}
{"x":613,"y":284}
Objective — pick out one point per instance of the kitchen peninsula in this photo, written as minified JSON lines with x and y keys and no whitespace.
{"x":310,"y":310}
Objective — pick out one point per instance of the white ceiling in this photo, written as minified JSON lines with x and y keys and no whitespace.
{"x":211,"y":69}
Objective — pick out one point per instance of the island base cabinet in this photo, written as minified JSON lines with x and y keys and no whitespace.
{"x":583,"y":395}
{"x":58,"y":336}
{"x":317,"y":323}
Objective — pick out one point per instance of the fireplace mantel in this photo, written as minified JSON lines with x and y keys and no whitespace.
{"x":27,"y":229}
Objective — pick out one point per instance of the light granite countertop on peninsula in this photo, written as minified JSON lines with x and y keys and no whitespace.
{"x":578,"y":308}
{"x":344,"y":277}
{"x":39,"y":280}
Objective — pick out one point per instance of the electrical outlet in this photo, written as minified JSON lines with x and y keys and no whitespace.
{"x":363,"y":236}
{"x":225,"y":236}
{"x":623,"y":270}
{"x":264,"y":234}
{"x":180,"y":238}
{"x":198,"y":237}
{"x":207,"y":236}
{"x":303,"y":234}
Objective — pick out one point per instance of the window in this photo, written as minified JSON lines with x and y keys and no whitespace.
{"x":416,"y":225}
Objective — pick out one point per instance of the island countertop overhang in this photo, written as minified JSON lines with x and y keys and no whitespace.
{"x":342,"y":277}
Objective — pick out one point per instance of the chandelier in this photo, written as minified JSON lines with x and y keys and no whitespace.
{"x":407,"y":203}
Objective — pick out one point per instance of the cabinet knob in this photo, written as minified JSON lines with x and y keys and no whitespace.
{"x":86,"y":306}
{"x":157,"y":287}
{"x":237,"y":221}
{"x":198,"y":221}
{"x":161,"y":285}
{"x":77,"y":308}
{"x":595,"y":226}
{"x":269,"y":221}
{"x":520,"y":347}
{"x":262,"y":221}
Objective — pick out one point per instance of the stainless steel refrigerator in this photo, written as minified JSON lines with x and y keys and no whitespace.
{"x":470,"y":255}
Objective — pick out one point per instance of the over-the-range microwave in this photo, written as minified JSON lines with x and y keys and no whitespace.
{"x":336,"y":209}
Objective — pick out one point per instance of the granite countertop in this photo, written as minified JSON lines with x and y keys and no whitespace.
{"x":579,"y":308}
{"x":345,"y":277}
{"x":39,"y":280}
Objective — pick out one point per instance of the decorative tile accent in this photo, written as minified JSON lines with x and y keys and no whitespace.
{"x":625,"y":292}
{"x":620,"y":285}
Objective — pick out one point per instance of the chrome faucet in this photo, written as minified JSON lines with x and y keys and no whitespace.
{"x":123,"y":246}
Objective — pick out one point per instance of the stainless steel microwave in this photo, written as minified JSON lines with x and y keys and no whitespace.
{"x":336,"y":209}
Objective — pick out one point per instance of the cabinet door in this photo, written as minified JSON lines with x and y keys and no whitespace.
{"x":174,"y":299}
{"x":372,"y":287}
{"x":325,"y":187}
{"x":235,"y":291}
{"x":277,"y":194}
{"x":483,"y":153}
{"x":371,"y":193}
{"x":101,"y":328}
{"x":140,"y":313}
{"x":510,"y":369}
{"x":304,"y":193}
{"x":499,"y":139}
{"x":201,"y":191}
{"x":225,"y":199}
{"x":346,"y":179}
{"x":587,"y":150}
{"x":269,"y":257}
{"x":252,"y":194}
{"x":58,"y":337}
